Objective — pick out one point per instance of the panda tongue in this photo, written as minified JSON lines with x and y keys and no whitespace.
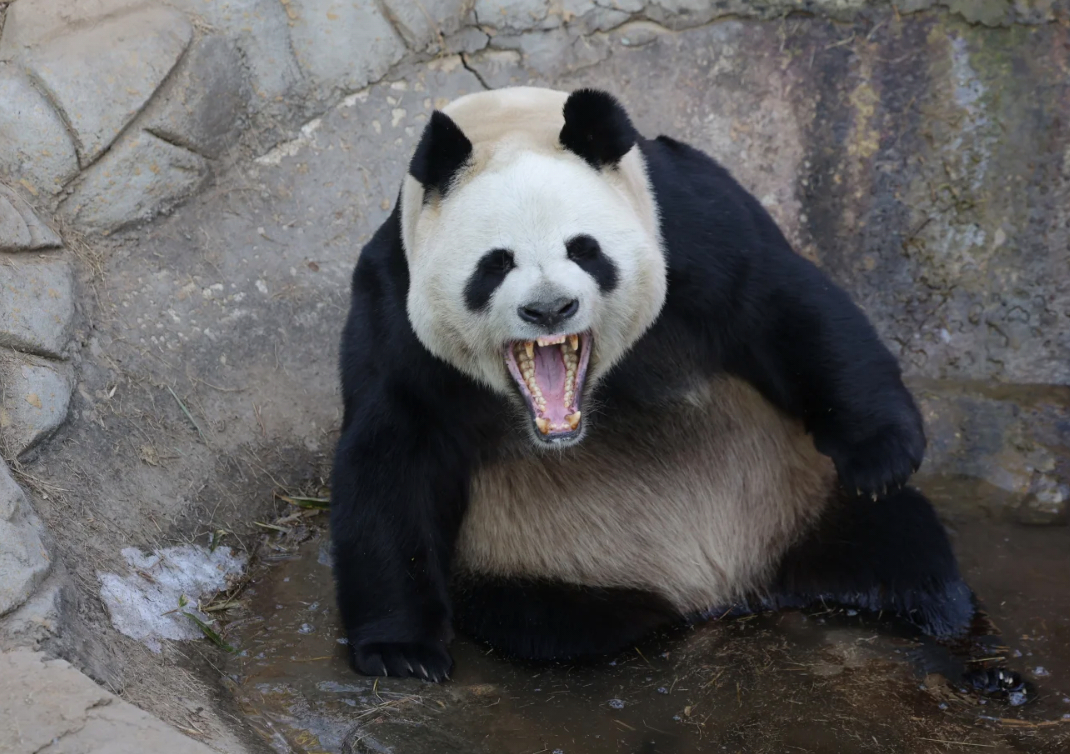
{"x":550,"y":377}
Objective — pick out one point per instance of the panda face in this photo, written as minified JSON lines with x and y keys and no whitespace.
{"x":534,"y":275}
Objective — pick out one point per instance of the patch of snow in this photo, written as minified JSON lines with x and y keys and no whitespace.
{"x":144,"y":604}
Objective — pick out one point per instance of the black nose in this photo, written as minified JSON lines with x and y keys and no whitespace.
{"x":549,"y":314}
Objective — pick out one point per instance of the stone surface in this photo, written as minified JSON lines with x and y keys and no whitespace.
{"x":580,"y":16}
{"x":203,"y":104}
{"x":20,"y":227}
{"x":101,"y":76}
{"x":28,"y":25}
{"x":342,"y":46}
{"x":24,"y":562}
{"x":138,"y":179}
{"x":261,"y":30}
{"x":518,"y":15}
{"x":40,"y":618}
{"x":425,"y":25}
{"x":51,"y":707}
{"x":36,"y":303}
{"x":34,"y":401}
{"x":35,"y":148}
{"x":1015,"y":438}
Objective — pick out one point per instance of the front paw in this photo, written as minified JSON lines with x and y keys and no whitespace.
{"x":880,"y":463}
{"x":429,"y":661}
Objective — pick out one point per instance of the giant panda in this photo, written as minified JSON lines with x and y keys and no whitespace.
{"x":590,"y":391}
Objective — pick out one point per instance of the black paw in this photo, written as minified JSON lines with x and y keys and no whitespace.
{"x":878,"y":464}
{"x":429,"y":662}
{"x":994,"y":681}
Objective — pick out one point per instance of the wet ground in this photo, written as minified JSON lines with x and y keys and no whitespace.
{"x":820,"y":682}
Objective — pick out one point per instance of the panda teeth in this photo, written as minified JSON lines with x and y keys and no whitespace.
{"x":543,"y":425}
{"x":573,"y":420}
{"x":574,"y":341}
{"x":529,"y":349}
{"x":554,"y":340}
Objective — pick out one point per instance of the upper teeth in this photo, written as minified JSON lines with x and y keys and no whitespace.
{"x":551,"y":340}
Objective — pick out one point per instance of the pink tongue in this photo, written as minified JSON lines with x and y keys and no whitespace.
{"x":550,"y":377}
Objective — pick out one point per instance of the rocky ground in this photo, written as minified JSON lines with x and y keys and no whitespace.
{"x":185,"y":186}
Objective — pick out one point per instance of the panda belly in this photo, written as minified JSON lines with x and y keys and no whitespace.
{"x":695,"y":501}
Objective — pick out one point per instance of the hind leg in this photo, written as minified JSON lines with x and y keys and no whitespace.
{"x":890,"y":556}
{"x":548,"y":620}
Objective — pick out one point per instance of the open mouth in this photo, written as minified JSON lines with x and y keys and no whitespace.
{"x":550,"y":373}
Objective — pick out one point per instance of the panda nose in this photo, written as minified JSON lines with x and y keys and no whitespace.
{"x":549,"y":314}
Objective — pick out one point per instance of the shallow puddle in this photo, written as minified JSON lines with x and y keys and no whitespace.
{"x":820,"y":682}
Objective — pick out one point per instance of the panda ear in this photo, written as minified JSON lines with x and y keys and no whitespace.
{"x":597,"y":128}
{"x":442,"y":152}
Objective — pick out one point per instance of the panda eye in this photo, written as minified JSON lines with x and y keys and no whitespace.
{"x":585,"y":252}
{"x":490,"y":272}
{"x":582,"y":248}
{"x":498,"y":261}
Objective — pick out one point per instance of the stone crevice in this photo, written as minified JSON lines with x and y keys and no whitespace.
{"x":474,"y":72}
{"x":50,"y":97}
{"x":134,"y":123}
{"x":175,"y":141}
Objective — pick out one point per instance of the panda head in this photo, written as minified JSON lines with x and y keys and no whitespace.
{"x":533,"y":246}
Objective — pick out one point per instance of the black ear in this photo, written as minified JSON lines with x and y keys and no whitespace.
{"x":597,"y":128}
{"x":442,"y":152}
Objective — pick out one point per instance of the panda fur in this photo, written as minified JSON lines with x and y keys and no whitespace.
{"x":741,"y":439}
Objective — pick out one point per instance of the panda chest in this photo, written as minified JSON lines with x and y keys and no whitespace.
{"x":694,"y":498}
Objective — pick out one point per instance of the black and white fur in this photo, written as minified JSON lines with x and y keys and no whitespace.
{"x":745,"y":439}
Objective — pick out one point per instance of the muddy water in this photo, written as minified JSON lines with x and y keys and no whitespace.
{"x":826,"y":681}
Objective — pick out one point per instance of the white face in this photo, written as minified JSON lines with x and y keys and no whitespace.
{"x":505,"y":268}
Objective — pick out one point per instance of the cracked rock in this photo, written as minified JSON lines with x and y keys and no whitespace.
{"x":35,"y":396}
{"x":103,"y":75}
{"x":518,"y":15}
{"x":202,"y":105}
{"x":36,"y":303}
{"x":343,"y":46}
{"x":35,"y":148}
{"x":28,"y":25}
{"x":141,"y":177}
{"x":261,"y":30}
{"x":47,"y":705}
{"x":40,"y":618}
{"x":24,"y":562}
{"x":20,"y":228}
{"x":425,"y":25}
{"x":582,"y":16}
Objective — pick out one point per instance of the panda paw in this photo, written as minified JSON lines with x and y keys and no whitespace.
{"x":429,"y":662}
{"x":879,"y":464}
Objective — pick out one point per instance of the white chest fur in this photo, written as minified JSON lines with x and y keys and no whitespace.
{"x":695,"y":501}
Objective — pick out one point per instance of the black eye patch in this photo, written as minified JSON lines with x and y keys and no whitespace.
{"x":490,"y":272}
{"x":585,"y":252}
